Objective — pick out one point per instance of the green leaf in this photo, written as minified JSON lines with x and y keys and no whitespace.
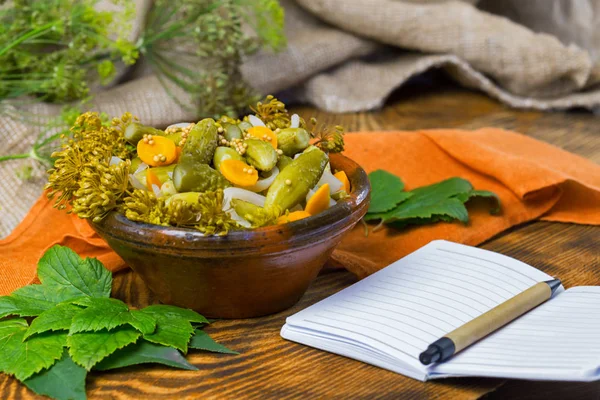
{"x":60,"y":268}
{"x":89,"y":348}
{"x":25,"y":358}
{"x":386,"y":191}
{"x":65,"y":380}
{"x":103,"y":313}
{"x":202,"y":341}
{"x":495,"y":200}
{"x":173,"y":327}
{"x":175,"y":312}
{"x":144,"y":352}
{"x":54,"y":319}
{"x":31,"y":300}
{"x":141,"y":321}
{"x":436,"y":199}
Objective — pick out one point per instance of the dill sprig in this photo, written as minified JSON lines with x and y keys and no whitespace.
{"x":199,"y":45}
{"x":272,"y":112}
{"x":213,"y":220}
{"x":329,"y":139}
{"x":82,"y":175}
{"x":55,"y":49}
{"x":206,"y":215}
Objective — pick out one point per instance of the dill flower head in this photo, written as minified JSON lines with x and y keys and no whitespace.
{"x":101,"y":189}
{"x":144,"y":206}
{"x":182,"y":213}
{"x":329,"y":139}
{"x":213,"y":220}
{"x":82,"y":175}
{"x":272,"y":112}
{"x":263,"y":216}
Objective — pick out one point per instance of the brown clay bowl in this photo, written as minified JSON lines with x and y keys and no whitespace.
{"x":245,"y":273}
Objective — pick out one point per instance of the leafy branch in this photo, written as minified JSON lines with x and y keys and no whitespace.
{"x":77,"y":328}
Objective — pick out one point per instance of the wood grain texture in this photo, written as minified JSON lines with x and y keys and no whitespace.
{"x":270,"y":367}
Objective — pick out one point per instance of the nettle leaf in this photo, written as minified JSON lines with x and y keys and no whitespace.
{"x":427,"y":201}
{"x":202,"y":341}
{"x":145,"y":352}
{"x":65,"y":380}
{"x":62,"y":269}
{"x":173,"y":325}
{"x":25,"y":358}
{"x":108,"y":313}
{"x":495,"y":200}
{"x":386,"y":191}
{"x":54,"y":319}
{"x":89,"y":348}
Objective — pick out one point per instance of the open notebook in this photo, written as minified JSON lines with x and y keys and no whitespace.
{"x":390,"y":317}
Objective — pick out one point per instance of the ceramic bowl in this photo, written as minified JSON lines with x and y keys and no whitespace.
{"x":245,"y":273}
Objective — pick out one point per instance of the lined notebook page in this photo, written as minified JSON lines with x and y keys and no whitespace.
{"x":394,"y":314}
{"x":558,"y":341}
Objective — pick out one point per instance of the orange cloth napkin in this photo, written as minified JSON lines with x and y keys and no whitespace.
{"x":533,"y":179}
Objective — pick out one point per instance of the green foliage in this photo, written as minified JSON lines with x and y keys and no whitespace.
{"x":145,"y":353}
{"x":58,"y":318}
{"x":386,"y":191}
{"x":74,"y":310}
{"x":108,"y":314}
{"x":173,"y":326}
{"x":88,"y":348}
{"x":443,"y":201}
{"x":24,"y":358}
{"x":202,"y":341}
{"x":52,"y":49}
{"x":199,"y":45}
{"x":56,"y":50}
{"x":63,"y":270}
{"x":64,"y":380}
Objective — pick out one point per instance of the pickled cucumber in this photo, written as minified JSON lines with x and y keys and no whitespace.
{"x":260,"y":154}
{"x":293,"y":183}
{"x":293,"y":140}
{"x":225,"y":153}
{"x":193,"y":176}
{"x":201,"y":143}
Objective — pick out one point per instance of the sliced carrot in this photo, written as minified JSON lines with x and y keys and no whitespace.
{"x":341,"y":175}
{"x":264,"y":133}
{"x":238,"y":172}
{"x":293,"y":216}
{"x":319,"y":201}
{"x":152,"y":179}
{"x":178,"y":153}
{"x":157,"y":151}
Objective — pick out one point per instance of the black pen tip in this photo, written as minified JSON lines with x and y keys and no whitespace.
{"x":554,"y":284}
{"x":431,"y":355}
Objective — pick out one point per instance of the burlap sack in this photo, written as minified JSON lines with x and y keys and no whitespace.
{"x":349,"y":55}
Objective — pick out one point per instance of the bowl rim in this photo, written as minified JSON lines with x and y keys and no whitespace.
{"x":308,"y":231}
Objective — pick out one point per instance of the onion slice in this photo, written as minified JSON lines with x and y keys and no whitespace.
{"x":114,"y":160}
{"x":335,"y":185}
{"x":141,"y":167}
{"x":264,"y":184}
{"x":241,"y":194}
{"x":136,"y":183}
{"x":295,"y":121}
{"x":179,"y":125}
{"x":255,"y":121}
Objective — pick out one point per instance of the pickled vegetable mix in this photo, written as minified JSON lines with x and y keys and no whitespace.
{"x":267,"y":168}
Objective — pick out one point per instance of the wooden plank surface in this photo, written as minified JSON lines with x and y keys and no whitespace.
{"x":270,"y":367}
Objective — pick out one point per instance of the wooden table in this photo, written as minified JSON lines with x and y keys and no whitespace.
{"x":270,"y":367}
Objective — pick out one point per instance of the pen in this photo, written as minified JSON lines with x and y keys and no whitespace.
{"x":478,"y":328}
